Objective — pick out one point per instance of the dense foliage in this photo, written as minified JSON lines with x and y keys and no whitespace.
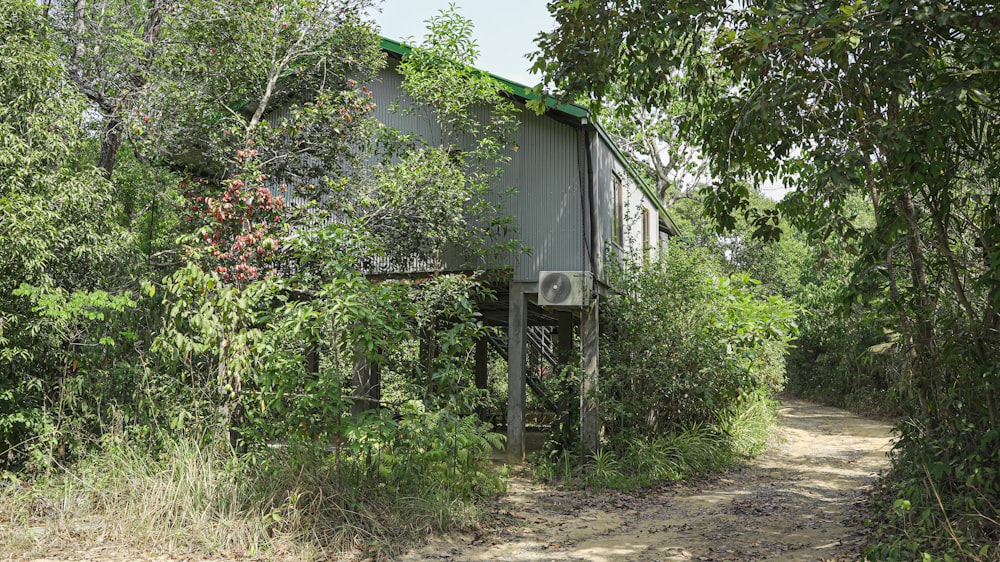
{"x":692,"y":356}
{"x":892,"y":101}
{"x":686,"y":344}
{"x":191,"y":195}
{"x":60,"y":237}
{"x":848,"y":351}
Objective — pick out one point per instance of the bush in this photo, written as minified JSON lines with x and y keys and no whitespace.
{"x":299,"y":501}
{"x":223,"y":438}
{"x":684,"y":346}
{"x":690,"y":359}
{"x":941,"y":499}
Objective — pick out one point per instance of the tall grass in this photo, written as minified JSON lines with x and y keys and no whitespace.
{"x":300,"y":504}
{"x":640,"y":461}
{"x":749,"y":426}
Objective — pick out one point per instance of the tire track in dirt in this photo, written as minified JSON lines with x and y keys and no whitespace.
{"x":802,"y":500}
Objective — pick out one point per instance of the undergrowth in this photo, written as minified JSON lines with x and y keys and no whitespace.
{"x":690,"y":358}
{"x":637,"y":461}
{"x":941,"y":500}
{"x":292,"y":502}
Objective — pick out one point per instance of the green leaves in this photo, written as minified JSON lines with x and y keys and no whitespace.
{"x":440,"y":192}
{"x":227,"y":67}
{"x":66,"y":260}
{"x":683,"y":344}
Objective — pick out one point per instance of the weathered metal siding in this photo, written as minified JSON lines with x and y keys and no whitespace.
{"x":547,"y":207}
{"x":282,"y":189}
{"x":543,"y":177}
{"x":387,"y":90}
{"x":539,"y":187}
{"x":606,"y":166}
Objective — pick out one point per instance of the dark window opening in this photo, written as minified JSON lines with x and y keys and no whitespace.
{"x":647,"y":242}
{"x":618,"y":201}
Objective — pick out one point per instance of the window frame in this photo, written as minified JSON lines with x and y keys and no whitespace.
{"x":647,"y":242}
{"x":618,"y":210}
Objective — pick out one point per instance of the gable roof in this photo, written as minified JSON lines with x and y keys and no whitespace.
{"x":573,"y":112}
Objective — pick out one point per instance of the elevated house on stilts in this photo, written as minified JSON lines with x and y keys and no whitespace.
{"x":575,"y":204}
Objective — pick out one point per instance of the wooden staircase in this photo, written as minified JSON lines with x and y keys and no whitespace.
{"x":539,"y":339}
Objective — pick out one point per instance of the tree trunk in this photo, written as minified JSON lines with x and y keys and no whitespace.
{"x":110,"y":144}
{"x":922,"y":352}
{"x":115,"y":105}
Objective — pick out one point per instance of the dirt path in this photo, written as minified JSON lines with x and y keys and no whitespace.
{"x":800,"y":501}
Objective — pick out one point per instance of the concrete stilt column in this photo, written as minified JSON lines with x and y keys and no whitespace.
{"x":590,"y":419}
{"x":517,"y":325}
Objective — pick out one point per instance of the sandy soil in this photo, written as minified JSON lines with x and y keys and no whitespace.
{"x":800,"y":501}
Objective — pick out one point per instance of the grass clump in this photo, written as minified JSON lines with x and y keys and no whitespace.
{"x":640,"y":461}
{"x":191,"y":496}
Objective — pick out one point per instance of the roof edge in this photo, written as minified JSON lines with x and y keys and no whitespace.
{"x":526,"y":93}
{"x":576,"y":111}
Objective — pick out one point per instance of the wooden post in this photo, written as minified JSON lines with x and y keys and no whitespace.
{"x":590,"y":419}
{"x":482,"y":370}
{"x":517,"y":325}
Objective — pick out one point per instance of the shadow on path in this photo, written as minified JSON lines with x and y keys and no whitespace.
{"x":799,"y":501}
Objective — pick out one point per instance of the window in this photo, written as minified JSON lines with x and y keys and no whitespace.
{"x":647,"y":242}
{"x":618,"y":201}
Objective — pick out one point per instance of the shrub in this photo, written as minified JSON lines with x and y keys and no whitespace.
{"x":690,"y":359}
{"x":684,"y":346}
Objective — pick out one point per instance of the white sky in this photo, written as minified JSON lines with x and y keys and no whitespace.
{"x":505,"y":31}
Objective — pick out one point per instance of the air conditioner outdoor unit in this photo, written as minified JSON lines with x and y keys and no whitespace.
{"x":570,"y":289}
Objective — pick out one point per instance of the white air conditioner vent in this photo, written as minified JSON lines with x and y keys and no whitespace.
{"x":565,"y":288}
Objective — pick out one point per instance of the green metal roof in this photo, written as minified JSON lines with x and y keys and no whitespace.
{"x":519,"y":90}
{"x":573,"y":110}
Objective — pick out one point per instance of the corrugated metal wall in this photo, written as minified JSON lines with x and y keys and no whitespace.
{"x":386,"y":91}
{"x":548,"y":206}
{"x":545,"y":175}
{"x":606,"y":165}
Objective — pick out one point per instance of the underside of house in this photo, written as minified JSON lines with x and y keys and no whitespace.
{"x":576,"y":203}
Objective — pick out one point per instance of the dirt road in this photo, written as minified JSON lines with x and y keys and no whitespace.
{"x":800,"y":501}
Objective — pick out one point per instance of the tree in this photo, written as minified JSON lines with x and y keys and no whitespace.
{"x":451,"y":172}
{"x":110,"y":46}
{"x":59,"y":232}
{"x":358,"y":197}
{"x":653,"y":139}
{"x":659,"y":137}
{"x":230,"y":65}
{"x":85,"y":84}
{"x":891,"y":100}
